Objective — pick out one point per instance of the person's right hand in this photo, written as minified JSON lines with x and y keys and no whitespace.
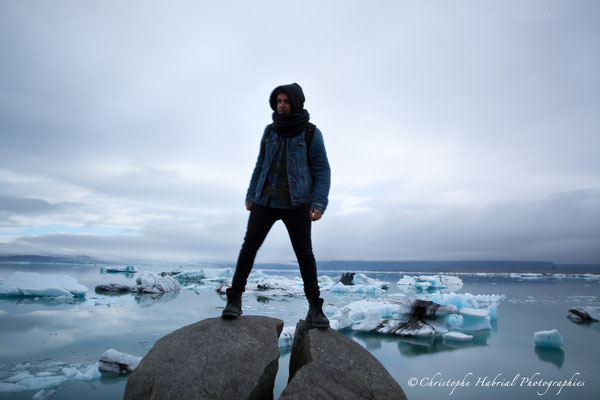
{"x":248,"y":205}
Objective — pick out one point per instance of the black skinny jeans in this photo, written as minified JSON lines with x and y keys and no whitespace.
{"x":297,"y":222}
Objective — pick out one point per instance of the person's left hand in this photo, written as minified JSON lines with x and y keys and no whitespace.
{"x":315,"y":214}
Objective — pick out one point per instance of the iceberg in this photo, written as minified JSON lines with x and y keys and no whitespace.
{"x":353,"y":278}
{"x":468,"y":300}
{"x":149,"y":282}
{"x":128,"y":269}
{"x":31,"y":284}
{"x":269,"y":286}
{"x":430,"y":283}
{"x":205,"y":275}
{"x":581,"y":314}
{"x":526,"y":275}
{"x":263,"y":285}
{"x":114,"y":288}
{"x":272,"y":286}
{"x":278,"y":287}
{"x":457,"y":336}
{"x":11,"y":388}
{"x":474,"y":319}
{"x":413,"y":317}
{"x":82,"y":374}
{"x":551,"y":338}
{"x":44,"y":394}
{"x":286,"y":339}
{"x":47,"y":375}
{"x":114,"y":361}
{"x":353,"y":283}
{"x":42,"y":382}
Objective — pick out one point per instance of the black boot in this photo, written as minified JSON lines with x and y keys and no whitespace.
{"x":233,"y":309}
{"x":315,"y":313}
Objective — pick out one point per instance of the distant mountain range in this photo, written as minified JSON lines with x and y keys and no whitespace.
{"x":446,"y":266}
{"x":461,"y":266}
{"x":49,"y":259}
{"x":358,"y":265}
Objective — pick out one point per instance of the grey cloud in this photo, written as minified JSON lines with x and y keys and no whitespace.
{"x":14,"y":206}
{"x":98,"y":100}
{"x":558,"y":228}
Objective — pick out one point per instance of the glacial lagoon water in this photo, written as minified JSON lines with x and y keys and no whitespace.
{"x":40,"y":337}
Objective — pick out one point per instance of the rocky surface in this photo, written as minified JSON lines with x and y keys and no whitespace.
{"x":116,"y":362}
{"x":211,"y":359}
{"x":325,"y":364}
{"x":347,"y":277}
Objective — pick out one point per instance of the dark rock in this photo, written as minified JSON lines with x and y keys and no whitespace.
{"x":584,"y":314}
{"x":421,"y":311}
{"x":325,"y":364}
{"x":114,"y":288}
{"x":113,"y":361}
{"x":347,"y":278}
{"x":211,"y":359}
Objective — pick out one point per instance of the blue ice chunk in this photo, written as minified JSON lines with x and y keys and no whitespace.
{"x":11,"y":388}
{"x":551,"y":338}
{"x":31,"y":284}
{"x":286,"y":339}
{"x":475,"y":319}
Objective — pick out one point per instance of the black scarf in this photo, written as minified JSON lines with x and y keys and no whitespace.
{"x":289,"y":125}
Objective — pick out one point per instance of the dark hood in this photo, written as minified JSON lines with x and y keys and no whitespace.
{"x":294,"y":92}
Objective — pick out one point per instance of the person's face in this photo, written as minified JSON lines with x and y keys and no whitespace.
{"x":283,"y":104}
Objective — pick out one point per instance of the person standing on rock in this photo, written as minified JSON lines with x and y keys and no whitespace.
{"x":290,"y":182}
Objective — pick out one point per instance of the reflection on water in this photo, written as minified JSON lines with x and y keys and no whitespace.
{"x":412,"y":347}
{"x":415,"y":346}
{"x":125,"y":274}
{"x":551,"y":355}
{"x":150,"y":299}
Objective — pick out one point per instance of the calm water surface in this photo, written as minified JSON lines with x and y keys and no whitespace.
{"x":39,"y":332}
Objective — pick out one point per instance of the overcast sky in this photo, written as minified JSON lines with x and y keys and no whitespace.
{"x":454,"y":129}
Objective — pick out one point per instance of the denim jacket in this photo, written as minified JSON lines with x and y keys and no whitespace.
{"x":309,"y":177}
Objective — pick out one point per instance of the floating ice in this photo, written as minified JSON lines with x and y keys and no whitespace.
{"x":128,"y":268}
{"x":468,"y":300}
{"x":418,"y":318}
{"x":526,"y":275}
{"x":205,"y":275}
{"x":11,"y":388}
{"x":115,"y":288}
{"x":114,"y":361}
{"x":149,"y":282}
{"x":272,"y":286}
{"x":36,"y":383}
{"x":353,"y":283}
{"x":457,"y":336}
{"x":19,"y":377}
{"x":277,"y":287}
{"x":475,"y":319}
{"x":82,"y":374}
{"x":549,"y":338}
{"x":47,"y":375}
{"x":44,"y":394}
{"x":286,"y":339}
{"x":370,"y":323}
{"x":430,"y":283}
{"x":587,"y":313}
{"x":30,"y":284}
